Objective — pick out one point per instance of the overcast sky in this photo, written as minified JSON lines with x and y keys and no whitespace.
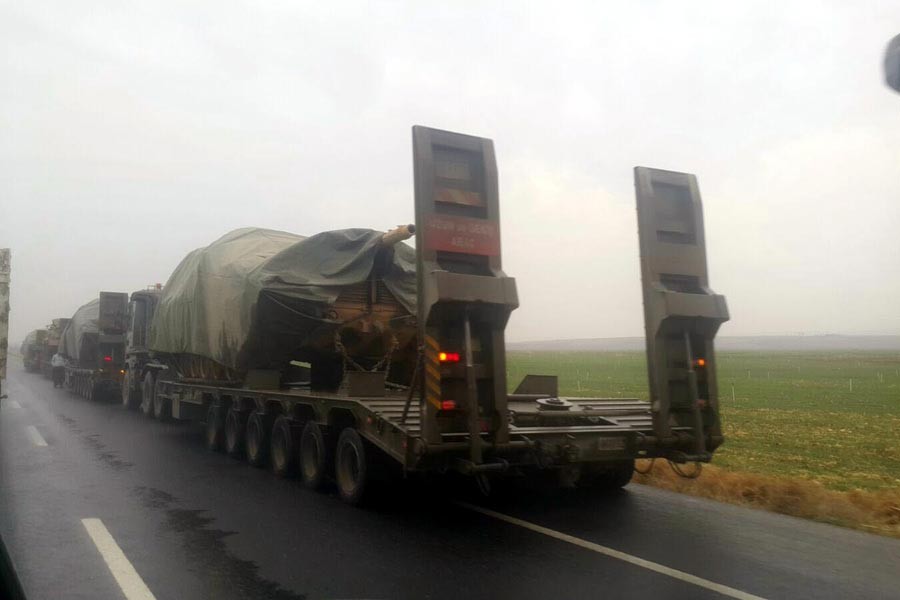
{"x":131,"y":133}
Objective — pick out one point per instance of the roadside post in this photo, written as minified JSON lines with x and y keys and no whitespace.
{"x":4,"y":314}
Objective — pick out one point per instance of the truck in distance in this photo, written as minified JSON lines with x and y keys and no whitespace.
{"x":93,"y":344}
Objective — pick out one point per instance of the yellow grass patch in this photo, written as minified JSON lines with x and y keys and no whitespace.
{"x":875,"y":511}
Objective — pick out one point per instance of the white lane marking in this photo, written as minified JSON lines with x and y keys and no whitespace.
{"x":606,"y":551}
{"x":128,"y":579}
{"x":36,"y":438}
{"x":14,"y":404}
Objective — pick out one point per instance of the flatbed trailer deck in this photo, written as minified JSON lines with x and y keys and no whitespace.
{"x":607,"y":429}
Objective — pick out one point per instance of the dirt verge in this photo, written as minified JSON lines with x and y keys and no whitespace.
{"x":871,"y":511}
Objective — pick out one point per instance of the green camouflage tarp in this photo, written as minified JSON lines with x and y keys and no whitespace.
{"x":209,"y":305}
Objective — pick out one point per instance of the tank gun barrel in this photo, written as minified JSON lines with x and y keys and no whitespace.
{"x":398,"y":234}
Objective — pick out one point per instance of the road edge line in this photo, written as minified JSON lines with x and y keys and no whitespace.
{"x":613,"y":553}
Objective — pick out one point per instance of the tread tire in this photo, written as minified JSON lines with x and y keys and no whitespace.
{"x":352,"y":467}
{"x":257,"y":439}
{"x":148,"y":390}
{"x":283,"y":447}
{"x":315,"y":456}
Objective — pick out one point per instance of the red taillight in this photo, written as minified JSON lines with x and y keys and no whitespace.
{"x":107,"y":359}
{"x":448,"y":356}
{"x":448,"y":405}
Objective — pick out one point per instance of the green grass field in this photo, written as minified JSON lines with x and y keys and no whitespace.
{"x":792,"y":414}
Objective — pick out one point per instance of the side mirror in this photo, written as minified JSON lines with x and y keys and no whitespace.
{"x":892,"y":64}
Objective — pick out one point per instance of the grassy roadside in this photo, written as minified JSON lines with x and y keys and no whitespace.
{"x":814,"y":435}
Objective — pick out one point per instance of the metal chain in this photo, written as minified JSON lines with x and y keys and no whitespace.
{"x":384,"y":362}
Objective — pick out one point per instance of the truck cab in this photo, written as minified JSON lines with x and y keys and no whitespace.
{"x":141,"y":309}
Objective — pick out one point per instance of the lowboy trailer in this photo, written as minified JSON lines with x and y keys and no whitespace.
{"x":457,"y":414}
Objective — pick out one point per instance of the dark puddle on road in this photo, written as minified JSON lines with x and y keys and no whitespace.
{"x":93,"y":440}
{"x":223,"y":574}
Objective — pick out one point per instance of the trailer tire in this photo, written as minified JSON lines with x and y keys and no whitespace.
{"x":162,"y":407}
{"x":131,"y":394}
{"x":283,"y":447}
{"x":147,"y":392}
{"x":352,"y":467}
{"x":608,"y":478}
{"x":235,"y":428}
{"x":214,"y":434}
{"x":257,"y":442}
{"x":315,"y":456}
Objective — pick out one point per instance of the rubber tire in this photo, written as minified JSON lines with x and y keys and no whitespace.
{"x":235,"y":430}
{"x":131,"y":394}
{"x":283,"y":447}
{"x":352,"y":467}
{"x":315,"y":456}
{"x":214,"y":433}
{"x":148,"y":391}
{"x":162,"y":407}
{"x":613,"y":477}
{"x":257,"y":439}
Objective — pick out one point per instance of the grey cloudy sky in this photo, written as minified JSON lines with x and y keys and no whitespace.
{"x":131,"y":133}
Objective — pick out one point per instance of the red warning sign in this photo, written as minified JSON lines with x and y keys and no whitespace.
{"x":462,"y":234}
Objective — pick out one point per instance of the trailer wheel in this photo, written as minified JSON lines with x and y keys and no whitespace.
{"x":283,"y":448}
{"x":352,"y":467}
{"x":315,"y":456}
{"x":257,"y":444}
{"x":131,"y":394}
{"x":148,"y":391}
{"x":607,"y":478}
{"x":235,"y":427}
{"x":162,"y":407}
{"x":215,"y":429}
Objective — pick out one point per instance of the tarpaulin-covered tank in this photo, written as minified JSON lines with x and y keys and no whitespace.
{"x":96,"y":332}
{"x":79,"y":340}
{"x":259,"y":299}
{"x":31,"y":349}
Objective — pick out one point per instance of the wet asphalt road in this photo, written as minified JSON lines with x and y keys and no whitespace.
{"x":200,"y":525}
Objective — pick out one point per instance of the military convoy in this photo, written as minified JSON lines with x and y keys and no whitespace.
{"x":40,"y":345}
{"x":348,"y":355}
